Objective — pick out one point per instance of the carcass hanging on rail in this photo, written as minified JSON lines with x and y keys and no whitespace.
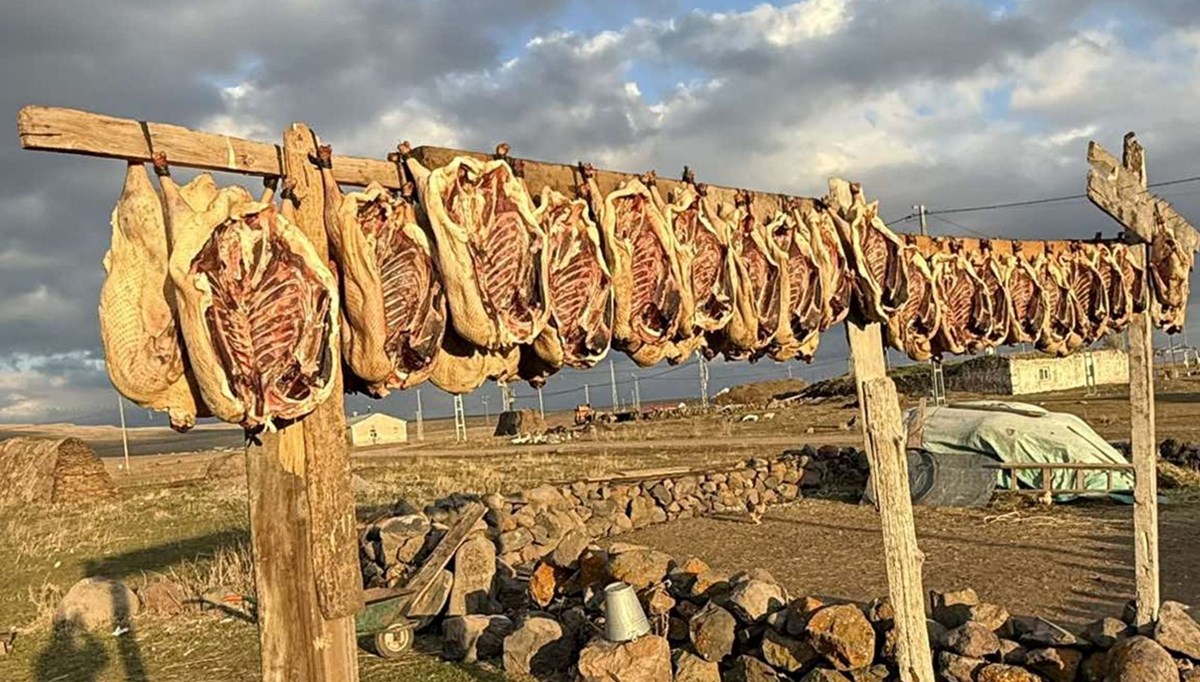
{"x":801,"y":287}
{"x":912,"y":327}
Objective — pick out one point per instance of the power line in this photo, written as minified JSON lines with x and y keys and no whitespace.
{"x":960,"y":226}
{"x":1048,"y":200}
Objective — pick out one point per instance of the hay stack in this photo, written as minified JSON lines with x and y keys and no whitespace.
{"x":51,"y":471}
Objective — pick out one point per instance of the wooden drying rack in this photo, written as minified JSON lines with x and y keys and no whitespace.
{"x":301,"y":505}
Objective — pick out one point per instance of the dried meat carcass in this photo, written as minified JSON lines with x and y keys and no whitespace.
{"x":393,"y":303}
{"x":1116,"y":288}
{"x":875,"y":254}
{"x":963,"y":300}
{"x":1134,"y":275}
{"x":142,"y":349}
{"x":579,"y":290}
{"x":758,"y":298}
{"x":989,"y":266}
{"x":801,"y":288}
{"x":1030,"y":311}
{"x":1059,"y":335}
{"x":462,"y":367}
{"x":1170,"y":267}
{"x":836,"y":272}
{"x":1088,"y":286}
{"x":648,"y":288}
{"x":912,"y":327}
{"x":705,"y":263}
{"x":258,"y":307}
{"x":489,"y":249}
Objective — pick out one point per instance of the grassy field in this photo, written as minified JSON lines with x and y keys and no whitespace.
{"x":170,"y":522}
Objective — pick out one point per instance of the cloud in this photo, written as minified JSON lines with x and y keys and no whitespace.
{"x":942,"y":102}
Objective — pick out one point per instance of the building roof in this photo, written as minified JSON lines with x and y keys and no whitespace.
{"x":351,"y":421}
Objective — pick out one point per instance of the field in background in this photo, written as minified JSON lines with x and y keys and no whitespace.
{"x":171,"y":522}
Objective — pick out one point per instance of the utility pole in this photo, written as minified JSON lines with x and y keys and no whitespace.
{"x":920,"y":209}
{"x":587,"y":398}
{"x":420,"y":418}
{"x":612,"y":375}
{"x":487,"y":414}
{"x":637,"y":394}
{"x":789,"y":369}
{"x":124,"y":436}
{"x":460,"y":420}
{"x":704,"y":380}
{"x":541,"y":405}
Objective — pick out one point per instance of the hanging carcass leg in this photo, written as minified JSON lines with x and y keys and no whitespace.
{"x":802,"y":287}
{"x":912,"y":327}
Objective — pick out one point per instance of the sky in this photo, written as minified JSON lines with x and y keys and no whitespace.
{"x":947,"y":103}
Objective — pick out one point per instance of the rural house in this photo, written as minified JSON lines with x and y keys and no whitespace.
{"x":376,"y":429}
{"x":1021,"y":374}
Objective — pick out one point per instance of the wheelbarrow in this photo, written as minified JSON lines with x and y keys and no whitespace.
{"x":385,"y":623}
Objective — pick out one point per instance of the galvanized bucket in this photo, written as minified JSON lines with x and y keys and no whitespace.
{"x":624,"y":618}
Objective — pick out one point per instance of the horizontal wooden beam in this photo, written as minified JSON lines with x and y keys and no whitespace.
{"x":1122,"y":194}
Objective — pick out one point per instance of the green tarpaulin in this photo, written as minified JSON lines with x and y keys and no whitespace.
{"x":1018,"y":432}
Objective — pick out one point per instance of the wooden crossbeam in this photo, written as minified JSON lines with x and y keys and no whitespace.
{"x":1121,"y":192}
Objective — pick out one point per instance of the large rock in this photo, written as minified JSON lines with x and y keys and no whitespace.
{"x":538,"y":648}
{"x":750,"y":669}
{"x":1106,"y":632}
{"x":1034,"y":631}
{"x":752,"y":600}
{"x":1176,"y":631}
{"x":643,"y":511}
{"x":691,"y":668}
{"x":97,"y":604}
{"x":1056,"y":665}
{"x":713,"y":631}
{"x":945,"y":607}
{"x":955,"y":668}
{"x":1140,"y":659}
{"x":999,"y":672}
{"x":641,"y":568}
{"x":646,"y":659}
{"x":570,"y":547}
{"x":514,"y":540}
{"x":474,"y":569}
{"x":473,"y":638}
{"x":843,"y":635}
{"x":788,"y":654}
{"x":163,"y":597}
{"x":543,"y":584}
{"x":972,"y":640}
{"x":824,"y":675}
{"x":400,"y":539}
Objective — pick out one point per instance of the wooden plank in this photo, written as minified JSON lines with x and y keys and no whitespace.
{"x":326,"y":458}
{"x":441,"y":555}
{"x":884,"y":440}
{"x":1120,"y":191}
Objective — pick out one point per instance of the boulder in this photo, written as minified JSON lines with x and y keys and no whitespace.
{"x":972,"y":640}
{"x":875,"y":673}
{"x":97,"y":604}
{"x":799,"y":611}
{"x":1094,"y":667}
{"x":538,"y":648}
{"x":999,"y":672}
{"x":643,"y":511}
{"x":1039,"y":632}
{"x":514,"y":540}
{"x":473,"y":638}
{"x":843,"y":635}
{"x":641,"y":568}
{"x":955,"y":668}
{"x":400,"y":539}
{"x":691,"y":668}
{"x":1176,"y":631}
{"x":163,"y":597}
{"x":824,"y":675}
{"x":474,"y":570}
{"x":1056,"y":665}
{"x":566,"y":554}
{"x":646,"y":659}
{"x":750,"y":669}
{"x":753,"y":599}
{"x":1140,"y":659}
{"x":713,"y":631}
{"x":947,"y":607}
{"x":787,"y":654}
{"x":1106,"y":632}
{"x":543,"y":584}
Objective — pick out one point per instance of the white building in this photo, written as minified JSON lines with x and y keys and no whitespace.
{"x":376,"y":429}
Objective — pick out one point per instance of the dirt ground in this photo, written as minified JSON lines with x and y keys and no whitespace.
{"x":1071,"y":564}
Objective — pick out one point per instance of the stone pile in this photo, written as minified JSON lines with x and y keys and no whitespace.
{"x":1182,"y":454}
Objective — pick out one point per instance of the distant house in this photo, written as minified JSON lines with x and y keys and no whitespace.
{"x":1036,"y":373}
{"x":376,"y":429}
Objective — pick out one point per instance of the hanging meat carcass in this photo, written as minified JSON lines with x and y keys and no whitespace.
{"x":836,"y":272}
{"x":912,"y":327}
{"x":988,"y":265}
{"x":963,"y":300}
{"x":875,"y":254}
{"x":1088,"y":286}
{"x":1170,"y":267}
{"x":142,"y":349}
{"x":258,"y":307}
{"x":489,"y":249}
{"x":1030,"y":311}
{"x":1134,"y":275}
{"x":393,"y":303}
{"x":758,"y":296}
{"x":579,"y":290}
{"x":462,"y":367}
{"x":704,"y":262}
{"x":801,"y":288}
{"x":1059,"y":335}
{"x":648,"y":289}
{"x":1116,"y":288}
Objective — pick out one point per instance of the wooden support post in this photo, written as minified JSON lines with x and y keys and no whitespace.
{"x":301,"y":511}
{"x":883,"y":439}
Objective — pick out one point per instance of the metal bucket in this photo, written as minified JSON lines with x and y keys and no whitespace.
{"x":624,"y":619}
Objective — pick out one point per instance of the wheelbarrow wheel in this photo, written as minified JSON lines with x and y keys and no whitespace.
{"x":394,"y":641}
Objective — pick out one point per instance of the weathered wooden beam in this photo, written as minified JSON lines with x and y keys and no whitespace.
{"x":301,"y":510}
{"x":1121,"y":192}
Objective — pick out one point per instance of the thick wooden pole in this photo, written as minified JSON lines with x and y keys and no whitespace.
{"x":1143,"y":441}
{"x":883,"y":439}
{"x":292,"y":526}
